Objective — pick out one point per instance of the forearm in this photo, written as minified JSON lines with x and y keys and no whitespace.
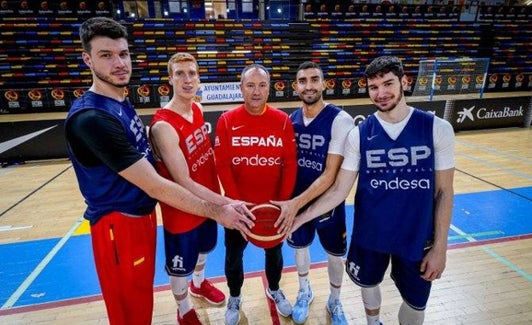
{"x":180,"y":198}
{"x":207,"y":194}
{"x":442,"y":219}
{"x":443,"y":205}
{"x":144,"y":175}
{"x":335,"y":195}
{"x":322,"y":183}
{"x":317,"y":188}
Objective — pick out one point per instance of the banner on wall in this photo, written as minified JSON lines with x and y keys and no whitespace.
{"x":11,"y":101}
{"x":223,"y":92}
{"x":490,"y":113}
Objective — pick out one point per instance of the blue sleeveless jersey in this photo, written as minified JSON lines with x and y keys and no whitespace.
{"x":103,"y":189}
{"x":394,"y":201}
{"x":312,"y":146}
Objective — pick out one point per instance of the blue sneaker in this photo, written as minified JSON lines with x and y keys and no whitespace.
{"x":281,"y":303}
{"x":300,"y":310}
{"x":337,"y":312}
{"x":232,"y":314}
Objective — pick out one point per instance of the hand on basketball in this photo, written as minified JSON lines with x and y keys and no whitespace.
{"x":242,"y":208}
{"x":237,"y":216}
{"x":286,"y":219}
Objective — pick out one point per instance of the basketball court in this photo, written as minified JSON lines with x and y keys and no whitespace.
{"x":47,"y":274}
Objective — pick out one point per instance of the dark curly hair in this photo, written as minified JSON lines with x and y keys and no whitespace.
{"x":384,"y":64}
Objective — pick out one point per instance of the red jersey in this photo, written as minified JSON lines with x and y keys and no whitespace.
{"x":256,"y":155}
{"x":195,"y":143}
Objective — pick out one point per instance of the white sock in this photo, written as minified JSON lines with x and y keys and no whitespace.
{"x":410,"y":316}
{"x":184,"y":306}
{"x":304,"y":283}
{"x":371,"y":297}
{"x":199,"y":271}
{"x":373,"y":320}
{"x":303,"y":268}
{"x":179,"y":287}
{"x":335,"y":269}
{"x":335,"y":294}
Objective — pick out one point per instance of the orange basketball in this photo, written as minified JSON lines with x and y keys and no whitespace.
{"x":264,"y":234}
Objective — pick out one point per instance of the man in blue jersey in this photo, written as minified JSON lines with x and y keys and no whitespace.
{"x":112,"y":159}
{"x":404,"y":160}
{"x":321,"y":129}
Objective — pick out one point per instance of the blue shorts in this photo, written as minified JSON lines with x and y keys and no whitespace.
{"x":331,"y":230}
{"x":366,"y":268}
{"x":182,"y":250}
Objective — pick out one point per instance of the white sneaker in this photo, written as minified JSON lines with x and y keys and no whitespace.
{"x":232,"y":314}
{"x":281,"y":303}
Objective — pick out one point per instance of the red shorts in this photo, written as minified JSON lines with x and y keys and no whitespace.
{"x":124,"y":254}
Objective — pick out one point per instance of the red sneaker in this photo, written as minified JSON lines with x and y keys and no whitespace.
{"x":190,"y":318}
{"x":208,"y":292}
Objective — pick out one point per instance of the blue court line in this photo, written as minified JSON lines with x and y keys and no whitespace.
{"x":501,"y":259}
{"x":477,"y":235}
{"x":472,"y":237}
{"x":507,"y":263}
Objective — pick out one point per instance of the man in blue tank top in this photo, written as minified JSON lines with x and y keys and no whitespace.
{"x":321,"y":129}
{"x":112,"y":159}
{"x":404,"y":160}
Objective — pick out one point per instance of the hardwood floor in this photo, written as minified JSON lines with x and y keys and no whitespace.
{"x":485,"y":282}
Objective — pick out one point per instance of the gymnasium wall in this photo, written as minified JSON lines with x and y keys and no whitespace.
{"x":41,"y":70}
{"x":21,"y":141}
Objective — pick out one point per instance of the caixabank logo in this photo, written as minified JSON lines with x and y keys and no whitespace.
{"x":472,"y":113}
{"x":490,"y":113}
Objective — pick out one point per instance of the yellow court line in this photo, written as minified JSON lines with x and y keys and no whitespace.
{"x":83,"y":228}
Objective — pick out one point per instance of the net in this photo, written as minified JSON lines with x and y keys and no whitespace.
{"x":451,"y":76}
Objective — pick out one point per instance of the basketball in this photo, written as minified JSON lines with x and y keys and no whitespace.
{"x":264,"y":234}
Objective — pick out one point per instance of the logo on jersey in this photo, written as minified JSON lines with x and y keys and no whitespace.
{"x":177,"y":263}
{"x":234,"y":128}
{"x":257,"y":161}
{"x":303,"y":162}
{"x":398,"y":160}
{"x":307,"y":145}
{"x":194,"y":140}
{"x":202,"y":159}
{"x":137,"y":127}
{"x":396,"y":157}
{"x":310,"y":141}
{"x":252,"y":141}
{"x":353,"y":269}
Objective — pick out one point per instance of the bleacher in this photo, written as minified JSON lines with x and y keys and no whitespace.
{"x":40,"y":56}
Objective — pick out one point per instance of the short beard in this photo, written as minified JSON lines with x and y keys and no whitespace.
{"x":109,"y":81}
{"x":312,"y":101}
{"x":395,"y":105}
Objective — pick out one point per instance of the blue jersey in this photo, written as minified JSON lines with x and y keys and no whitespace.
{"x":103,"y":189}
{"x":312,"y":147}
{"x":395,"y":192}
